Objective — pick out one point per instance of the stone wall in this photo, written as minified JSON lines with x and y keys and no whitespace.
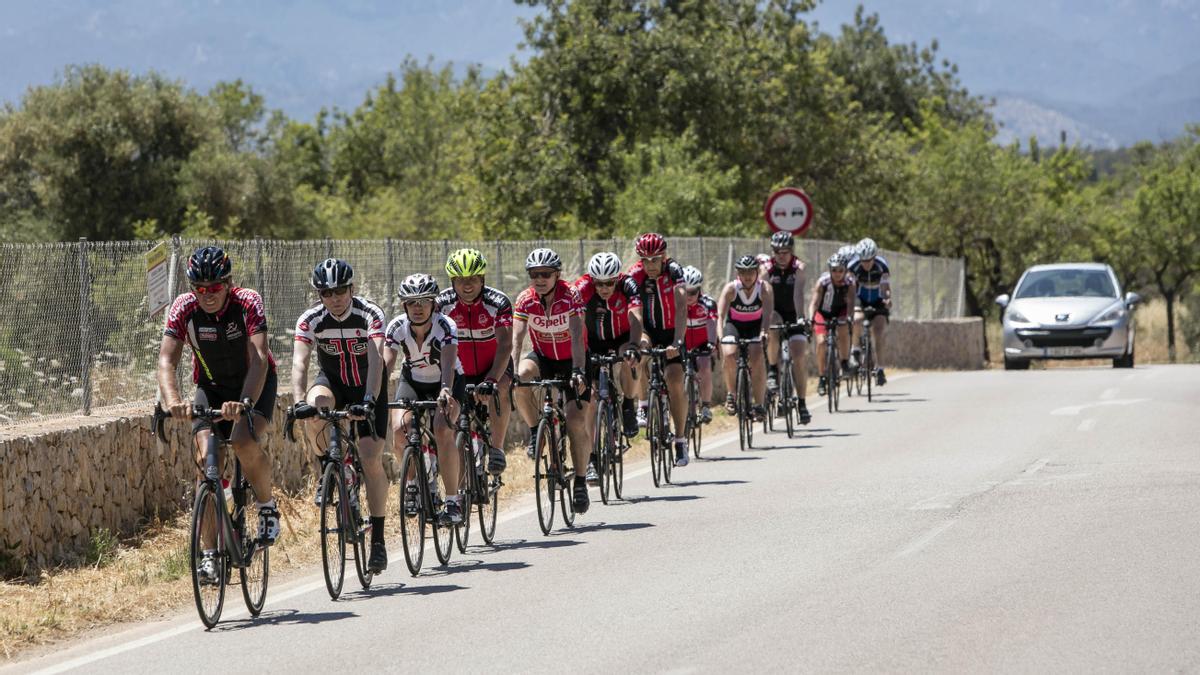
{"x":62,"y":480}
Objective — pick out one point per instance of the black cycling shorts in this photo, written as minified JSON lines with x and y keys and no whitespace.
{"x":603,"y":347}
{"x":214,"y":397}
{"x":881,"y":310}
{"x":558,"y":369}
{"x":428,"y":391}
{"x":477,"y":379}
{"x":343,"y":396}
{"x":663,"y":338}
{"x":741,"y":331}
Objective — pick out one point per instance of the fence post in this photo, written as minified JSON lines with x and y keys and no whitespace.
{"x":582,"y":260}
{"x":729,"y":264}
{"x":702,"y":256}
{"x":85,"y":326}
{"x":498,"y":279}
{"x":962,"y":286}
{"x":258,"y":264}
{"x":328,"y":247}
{"x":173,"y":263}
{"x":917,"y":288}
{"x":390,"y":261}
{"x":445,"y":253}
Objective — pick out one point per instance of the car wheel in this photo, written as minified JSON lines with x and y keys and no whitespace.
{"x":1124,"y":361}
{"x":1016,"y":364}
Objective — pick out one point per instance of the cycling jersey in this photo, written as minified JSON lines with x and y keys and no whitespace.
{"x":699,"y":314}
{"x":607,"y":320}
{"x":871,"y":281}
{"x":658,"y":295}
{"x":422,"y":362}
{"x":549,"y":327}
{"x":783,"y":281}
{"x":477,"y":322}
{"x":220,"y":342}
{"x":834,"y":300}
{"x":342,"y":341}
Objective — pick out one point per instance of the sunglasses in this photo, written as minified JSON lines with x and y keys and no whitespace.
{"x":541,"y":275}
{"x":211,"y":288}
{"x":781,"y":250}
{"x":606,"y":284}
{"x":330,"y":292}
{"x":655,"y":259}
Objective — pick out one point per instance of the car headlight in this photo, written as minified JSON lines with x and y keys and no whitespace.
{"x":1114,"y":314}
{"x":1017,"y":317}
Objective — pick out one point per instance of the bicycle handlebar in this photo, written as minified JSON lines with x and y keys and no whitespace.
{"x":198,"y":411}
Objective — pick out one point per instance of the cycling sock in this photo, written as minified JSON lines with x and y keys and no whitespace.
{"x":644,"y":403}
{"x":452,"y":498}
{"x":376,"y":529}
{"x":265,"y":505}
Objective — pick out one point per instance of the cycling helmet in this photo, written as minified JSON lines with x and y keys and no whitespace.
{"x":692,"y":277}
{"x":650,"y":244}
{"x":867,"y":249}
{"x":746,"y":262}
{"x":418,"y":287}
{"x":543,"y":257}
{"x":782,"y":240}
{"x":837,"y":260}
{"x":209,"y":264}
{"x":466,"y":262}
{"x":604,"y":266}
{"x":332,"y":273}
{"x":847,"y":253}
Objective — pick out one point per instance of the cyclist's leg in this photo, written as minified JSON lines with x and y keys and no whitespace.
{"x":256,"y":464}
{"x":320,"y":395}
{"x":578,"y":432}
{"x":843,"y":343}
{"x":774,"y":338}
{"x":449,"y":460}
{"x":729,"y":359}
{"x":878,"y":336}
{"x":798,"y":346}
{"x":855,"y":329}
{"x":704,"y":379}
{"x":201,"y":431}
{"x":819,"y":329}
{"x":524,"y":396}
{"x":370,"y":454}
{"x":758,"y":373}
{"x":499,"y":418}
{"x":401,"y":419}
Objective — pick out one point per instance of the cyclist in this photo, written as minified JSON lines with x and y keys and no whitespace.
{"x":871,"y":273}
{"x":484,"y":318}
{"x":701,"y":334}
{"x":607,"y":295}
{"x":428,"y":344}
{"x":833,"y":296}
{"x":660,"y":285}
{"x":551,"y":313}
{"x":740,"y":310}
{"x":348,"y":333}
{"x":785,"y":272}
{"x":233,"y":370}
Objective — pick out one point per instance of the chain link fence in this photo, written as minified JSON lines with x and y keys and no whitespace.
{"x":78,"y":334}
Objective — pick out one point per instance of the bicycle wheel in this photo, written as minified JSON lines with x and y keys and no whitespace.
{"x":787,"y":399}
{"x":869,"y":357}
{"x":468,"y":479}
{"x":544,"y":483}
{"x":601,"y":447}
{"x":617,"y":466}
{"x":654,"y":433}
{"x":488,"y":508}
{"x":744,"y":417}
{"x":412,"y":521}
{"x":831,"y":383}
{"x":333,"y":528}
{"x":668,"y":454}
{"x":695,"y":434}
{"x":692,"y":432}
{"x":209,"y":593}
{"x":443,"y":539}
{"x":566,"y":474}
{"x":256,"y":571}
{"x":359,"y":529}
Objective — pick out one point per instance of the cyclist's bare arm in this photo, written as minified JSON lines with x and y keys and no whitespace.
{"x":680,"y":313}
{"x":389,"y":358}
{"x":169,"y":353}
{"x":301,"y":351}
{"x":723,"y":302}
{"x":768,"y":296}
{"x":256,"y":368}
{"x":578,"y":351}
{"x":520,"y":329}
{"x":635,"y":326}
{"x":504,"y":345}
{"x":374,"y":365}
{"x":798,"y":289}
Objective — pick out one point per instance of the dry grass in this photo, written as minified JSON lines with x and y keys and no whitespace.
{"x":148,"y":575}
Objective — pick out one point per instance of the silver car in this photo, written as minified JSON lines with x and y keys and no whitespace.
{"x":1068,"y":311}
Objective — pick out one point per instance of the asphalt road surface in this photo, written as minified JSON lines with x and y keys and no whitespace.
{"x":985,"y":521}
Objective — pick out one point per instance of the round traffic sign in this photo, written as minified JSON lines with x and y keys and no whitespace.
{"x":789,"y":210}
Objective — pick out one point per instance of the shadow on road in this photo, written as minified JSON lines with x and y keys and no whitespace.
{"x":619,"y":527}
{"x":283,"y":617}
{"x":899,"y":400}
{"x":663,"y":498}
{"x":728,"y":458}
{"x":402,"y":589}
{"x":692,"y":483}
{"x":782,"y":447}
{"x":841,"y":435}
{"x":469,"y":565}
{"x":867,"y":410}
{"x":536,"y":543}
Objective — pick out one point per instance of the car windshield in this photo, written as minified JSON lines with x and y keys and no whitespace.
{"x":1059,"y":283}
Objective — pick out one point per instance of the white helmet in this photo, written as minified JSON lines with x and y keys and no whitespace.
{"x":604,"y":266}
{"x":692,"y":277}
{"x":847,"y":252}
{"x":417,"y":286}
{"x":543,"y":257}
{"x":866,"y":249}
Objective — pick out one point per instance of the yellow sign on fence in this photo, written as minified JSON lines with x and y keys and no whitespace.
{"x":158,"y":278}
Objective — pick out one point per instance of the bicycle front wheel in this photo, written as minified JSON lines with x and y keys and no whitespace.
{"x":745,"y":420}
{"x":787,"y":399}
{"x":654,"y":434}
{"x":256,"y":569}
{"x":333,"y":528}
{"x":602,"y":447}
{"x":668,"y":454}
{"x":869,"y":357}
{"x":544,"y":482}
{"x":468,"y":478}
{"x":413,"y":502}
{"x":566,"y":471}
{"x":488,"y":508}
{"x":359,"y":528}
{"x":209,"y":592}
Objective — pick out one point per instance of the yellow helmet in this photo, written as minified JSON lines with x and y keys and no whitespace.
{"x":466,"y":262}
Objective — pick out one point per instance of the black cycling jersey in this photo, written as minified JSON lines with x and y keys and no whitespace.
{"x":220,"y":342}
{"x":342,"y":341}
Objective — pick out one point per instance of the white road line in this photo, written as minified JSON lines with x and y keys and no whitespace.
{"x":1109,"y":394}
{"x":1076,"y":409}
{"x":1036,"y":466}
{"x":923,"y":541}
{"x":1087,"y":424}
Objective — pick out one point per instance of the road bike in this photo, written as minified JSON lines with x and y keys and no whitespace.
{"x":608,"y":438}
{"x":788,"y":401}
{"x":658,"y":418}
{"x":833,"y":364}
{"x":552,"y":467}
{"x":693,"y":425}
{"x":866,"y":364}
{"x":744,"y":413}
{"x":233,"y":535}
{"x":420,"y":501}
{"x":339,"y":497}
{"x":478,"y":488}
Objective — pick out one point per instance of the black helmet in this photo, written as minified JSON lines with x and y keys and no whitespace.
{"x":209,"y":264}
{"x":332,"y":273}
{"x":746,"y":262}
{"x":782,"y":240}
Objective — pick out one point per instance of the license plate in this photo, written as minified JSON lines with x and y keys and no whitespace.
{"x":1064,"y":351}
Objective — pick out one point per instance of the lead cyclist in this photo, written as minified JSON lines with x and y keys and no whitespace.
{"x":785,"y":272}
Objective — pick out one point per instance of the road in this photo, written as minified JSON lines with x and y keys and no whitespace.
{"x":1011,"y":521}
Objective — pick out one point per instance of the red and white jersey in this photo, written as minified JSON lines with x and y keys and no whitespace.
{"x":699,"y":315}
{"x":658,"y":295}
{"x":220,"y":342}
{"x":477,"y":322}
{"x":549,"y":324}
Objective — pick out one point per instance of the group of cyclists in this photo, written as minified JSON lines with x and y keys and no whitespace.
{"x":472,"y":334}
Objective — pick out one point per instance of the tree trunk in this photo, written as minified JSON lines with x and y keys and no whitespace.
{"x":1170,"y":298}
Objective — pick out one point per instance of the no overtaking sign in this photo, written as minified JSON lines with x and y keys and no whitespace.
{"x":789,"y":210}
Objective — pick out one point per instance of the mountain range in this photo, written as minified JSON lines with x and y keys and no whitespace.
{"x":1106,"y":72}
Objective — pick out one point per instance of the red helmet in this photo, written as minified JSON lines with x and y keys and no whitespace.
{"x":650,"y":244}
